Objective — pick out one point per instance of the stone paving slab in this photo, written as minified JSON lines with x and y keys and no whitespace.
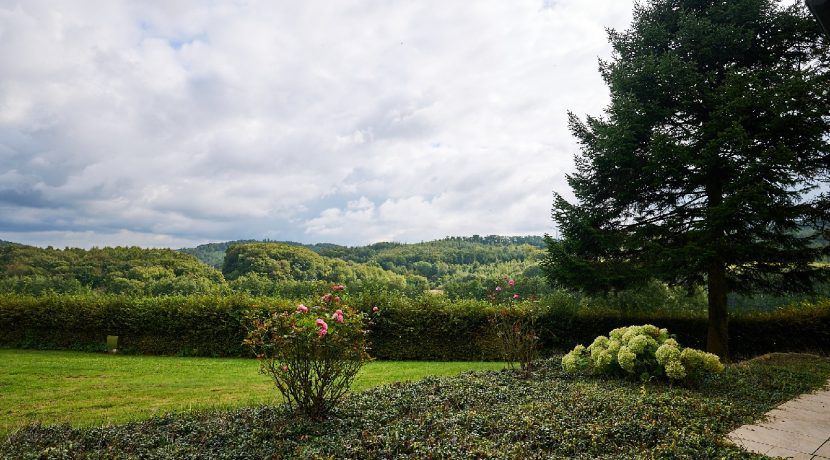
{"x":798,"y":429}
{"x":807,"y":405}
{"x":797,"y":422}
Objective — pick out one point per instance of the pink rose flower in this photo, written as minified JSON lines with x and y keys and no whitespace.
{"x":338,"y":287}
{"x":516,"y":296}
{"x":498,"y":288}
{"x":326,"y":298}
{"x":511,"y":283}
{"x":302,"y":308}
{"x":375,"y":309}
{"x":324,"y":328}
{"x":338,"y":316}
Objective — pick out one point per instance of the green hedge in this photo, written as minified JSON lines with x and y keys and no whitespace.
{"x":175,"y":325}
{"x":427,"y":328}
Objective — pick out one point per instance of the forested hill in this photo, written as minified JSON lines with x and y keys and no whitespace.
{"x":255,"y":268}
{"x":451,"y":250}
{"x":129,"y":270}
{"x":460,"y":265}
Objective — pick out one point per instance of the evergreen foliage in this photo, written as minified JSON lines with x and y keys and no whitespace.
{"x":707,"y":166}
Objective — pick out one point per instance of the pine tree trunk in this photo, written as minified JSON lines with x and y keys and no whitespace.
{"x":718,"y":339}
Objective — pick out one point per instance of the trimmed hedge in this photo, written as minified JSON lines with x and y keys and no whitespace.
{"x":174,"y":325}
{"x":427,"y":328}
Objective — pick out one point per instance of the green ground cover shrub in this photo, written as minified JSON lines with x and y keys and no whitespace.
{"x":475,"y":415}
{"x":643,"y":352}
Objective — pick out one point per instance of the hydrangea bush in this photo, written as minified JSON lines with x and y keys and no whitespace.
{"x":312,"y":353}
{"x":641,"y":351}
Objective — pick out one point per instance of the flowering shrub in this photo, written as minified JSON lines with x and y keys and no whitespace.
{"x":515,"y":328}
{"x":312,"y":353}
{"x":644,"y":352}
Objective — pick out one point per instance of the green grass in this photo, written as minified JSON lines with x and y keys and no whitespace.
{"x":91,"y":389}
{"x":550,"y":414}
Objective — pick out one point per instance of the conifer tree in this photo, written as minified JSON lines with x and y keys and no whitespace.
{"x":711,"y":163}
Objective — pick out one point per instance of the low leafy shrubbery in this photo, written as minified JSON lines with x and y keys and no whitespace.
{"x":475,"y":415}
{"x":313,"y":353}
{"x":428,"y":327}
{"x":642,"y":351}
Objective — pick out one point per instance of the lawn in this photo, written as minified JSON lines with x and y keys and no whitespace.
{"x":485,"y":414}
{"x":91,"y":389}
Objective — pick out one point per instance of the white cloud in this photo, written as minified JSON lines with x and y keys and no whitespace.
{"x":185,"y":121}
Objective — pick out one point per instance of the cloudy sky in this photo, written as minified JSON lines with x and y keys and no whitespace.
{"x":170,"y":124}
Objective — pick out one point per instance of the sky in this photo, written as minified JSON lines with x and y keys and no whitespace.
{"x":170,"y":124}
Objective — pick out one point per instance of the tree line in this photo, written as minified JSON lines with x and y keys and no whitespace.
{"x":464,"y":267}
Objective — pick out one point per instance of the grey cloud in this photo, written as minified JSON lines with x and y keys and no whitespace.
{"x":25,"y":198}
{"x":168,"y":123}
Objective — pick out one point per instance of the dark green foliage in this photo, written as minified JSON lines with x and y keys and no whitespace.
{"x":426,"y":328}
{"x":171,"y":325}
{"x":463,"y":267}
{"x":283,"y":269}
{"x":475,"y":415}
{"x":708,"y":163}
{"x":459,"y":264}
{"x":212,"y":254}
{"x":276,"y":261}
{"x":133,"y":270}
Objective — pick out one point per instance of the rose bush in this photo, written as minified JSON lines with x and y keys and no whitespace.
{"x":515,"y":328}
{"x":642,"y":351}
{"x":312,"y":353}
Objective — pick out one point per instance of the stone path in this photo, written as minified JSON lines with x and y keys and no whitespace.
{"x":798,"y":429}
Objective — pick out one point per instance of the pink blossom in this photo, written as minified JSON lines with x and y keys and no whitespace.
{"x":326,"y":298}
{"x":302,"y":308}
{"x":375,"y":309}
{"x":337,"y":298}
{"x":338,"y":287}
{"x":324,"y":328}
{"x":511,"y":283}
{"x":516,"y":296}
{"x":338,"y":316}
{"x":498,"y":288}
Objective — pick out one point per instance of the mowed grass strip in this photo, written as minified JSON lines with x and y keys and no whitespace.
{"x":87,"y":389}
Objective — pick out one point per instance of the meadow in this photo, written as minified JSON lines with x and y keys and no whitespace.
{"x":86,"y":389}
